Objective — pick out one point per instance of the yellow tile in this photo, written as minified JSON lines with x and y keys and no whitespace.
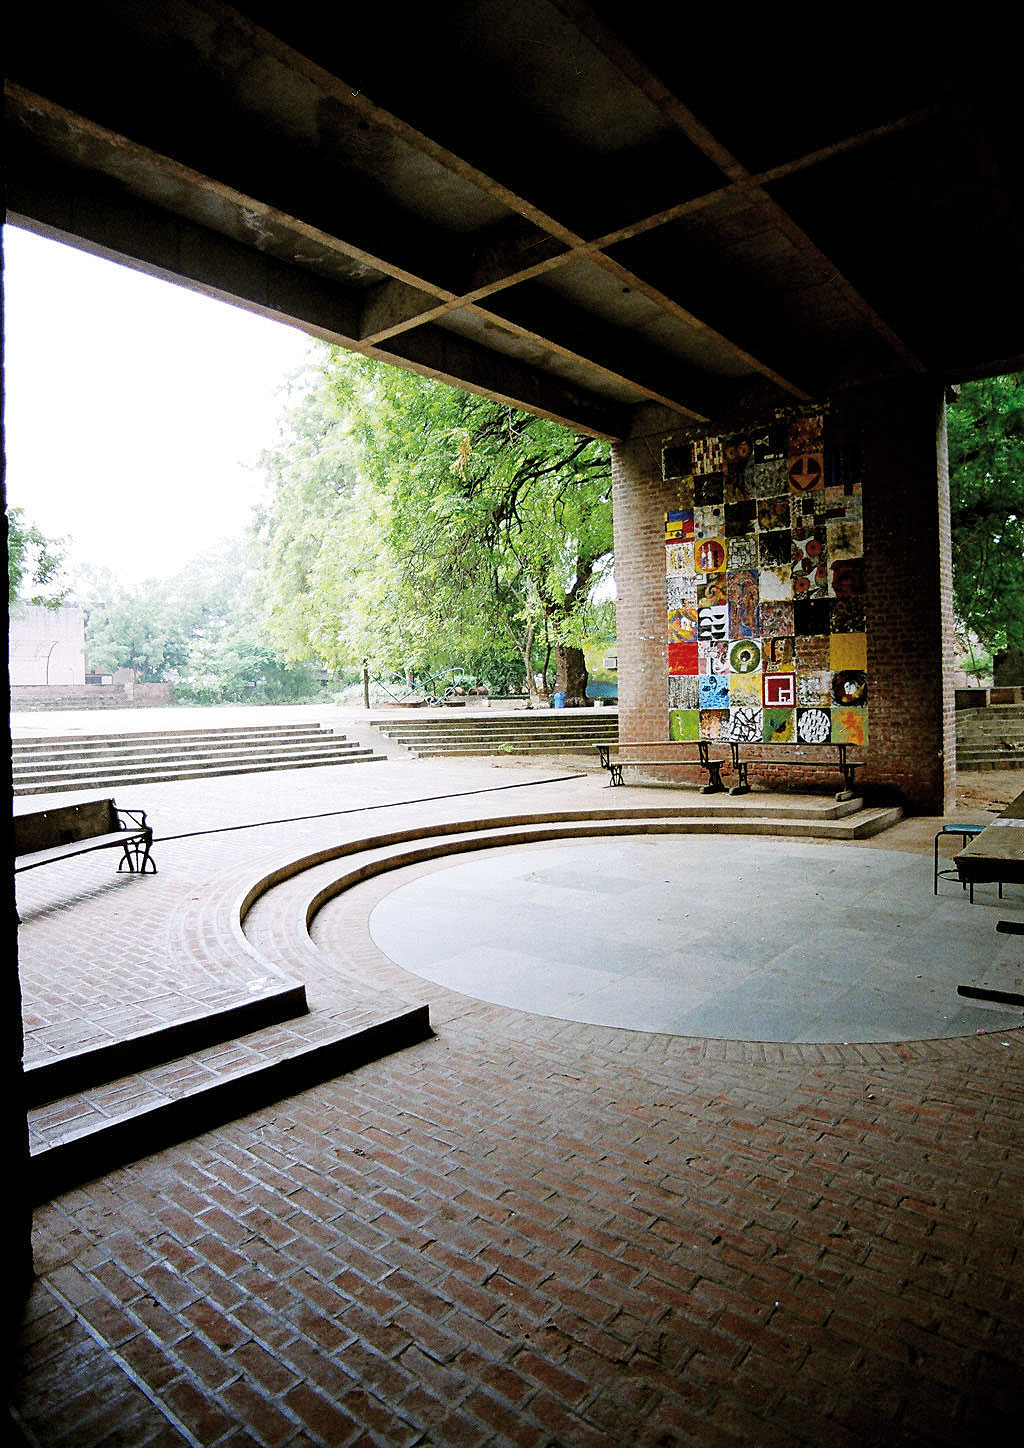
{"x":848,"y":651}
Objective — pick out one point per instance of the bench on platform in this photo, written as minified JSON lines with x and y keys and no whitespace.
{"x":711,"y":767}
{"x":755,"y":754}
{"x":75,"y":829}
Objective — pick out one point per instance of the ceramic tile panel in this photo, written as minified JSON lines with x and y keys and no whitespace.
{"x":764,"y":587}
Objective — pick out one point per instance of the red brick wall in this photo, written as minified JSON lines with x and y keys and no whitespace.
{"x":909,"y":583}
{"x":640,"y":501}
{"x":911,"y":751}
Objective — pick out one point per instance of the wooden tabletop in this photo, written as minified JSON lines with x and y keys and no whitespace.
{"x":998,"y":852}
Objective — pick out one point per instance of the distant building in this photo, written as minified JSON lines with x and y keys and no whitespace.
{"x":47,"y":646}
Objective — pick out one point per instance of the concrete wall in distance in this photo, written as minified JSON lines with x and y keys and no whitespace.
{"x":47,"y":646}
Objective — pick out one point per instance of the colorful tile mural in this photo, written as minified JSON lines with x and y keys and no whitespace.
{"x":764,"y":589}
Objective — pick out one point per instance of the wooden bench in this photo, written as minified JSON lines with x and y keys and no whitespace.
{"x":75,"y":829}
{"x":777,"y":759}
{"x":711,"y":767}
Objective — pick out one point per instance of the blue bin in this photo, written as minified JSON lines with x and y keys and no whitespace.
{"x":559,"y":701}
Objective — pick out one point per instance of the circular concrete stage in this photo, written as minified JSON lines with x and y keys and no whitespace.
{"x":738,"y":938}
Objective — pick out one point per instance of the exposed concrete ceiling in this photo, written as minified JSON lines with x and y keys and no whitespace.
{"x":581,"y":208}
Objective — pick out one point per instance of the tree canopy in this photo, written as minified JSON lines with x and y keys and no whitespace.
{"x":35,"y":564}
{"x":986,"y":459}
{"x":201,"y":630}
{"x":416,"y":525}
{"x":409,"y":524}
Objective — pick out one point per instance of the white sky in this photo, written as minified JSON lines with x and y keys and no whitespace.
{"x":135,"y":411}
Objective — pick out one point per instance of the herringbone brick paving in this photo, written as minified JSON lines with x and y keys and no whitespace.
{"x":523,"y":1230}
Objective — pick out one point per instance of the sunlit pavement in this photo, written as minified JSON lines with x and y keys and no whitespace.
{"x":531,"y":1229}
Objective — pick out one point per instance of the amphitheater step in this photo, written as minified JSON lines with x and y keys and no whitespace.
{"x":144,"y":756}
{"x":983,"y":765}
{"x":171,"y":1109}
{"x":186,"y":767}
{"x":52,"y":765}
{"x":72,"y":1072}
{"x":437,"y":750}
{"x":277,"y":912}
{"x":990,"y":738}
{"x":177,"y":737}
{"x":530,"y":732}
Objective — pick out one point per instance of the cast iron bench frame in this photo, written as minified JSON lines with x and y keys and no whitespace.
{"x":712,"y":767}
{"x":846,"y":767}
{"x":42,"y":837}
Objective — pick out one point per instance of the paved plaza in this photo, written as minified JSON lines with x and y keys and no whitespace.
{"x":703,"y":1148}
{"x":740,"y":939}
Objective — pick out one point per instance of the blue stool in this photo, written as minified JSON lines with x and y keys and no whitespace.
{"x":965,"y":833}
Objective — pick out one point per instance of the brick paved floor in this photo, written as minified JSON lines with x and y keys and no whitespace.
{"x":524,"y":1230}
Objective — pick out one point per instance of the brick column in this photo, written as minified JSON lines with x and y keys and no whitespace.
{"x":640,"y":500}
{"x":909,"y":587}
{"x":899,"y":429}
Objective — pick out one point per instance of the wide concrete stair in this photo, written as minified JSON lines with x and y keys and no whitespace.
{"x":990,"y":738}
{"x":532,"y":731}
{"x":109,"y":761}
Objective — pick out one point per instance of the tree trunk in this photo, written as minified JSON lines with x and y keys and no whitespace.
{"x":571,"y":675}
{"x":536,"y":693}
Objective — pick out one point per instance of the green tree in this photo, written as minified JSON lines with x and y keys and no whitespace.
{"x":35,"y":564}
{"x":135,"y":628}
{"x":415,"y":524}
{"x":986,"y":456}
{"x":202,"y":630}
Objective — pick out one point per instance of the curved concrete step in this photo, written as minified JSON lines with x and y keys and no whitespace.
{"x":275,"y":915}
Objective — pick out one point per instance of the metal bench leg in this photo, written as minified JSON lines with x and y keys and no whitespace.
{"x":712,"y":768}
{"x":848,"y":790}
{"x":742,"y":785}
{"x":950,"y":873}
{"x":137,"y":857}
{"x":714,"y":784}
